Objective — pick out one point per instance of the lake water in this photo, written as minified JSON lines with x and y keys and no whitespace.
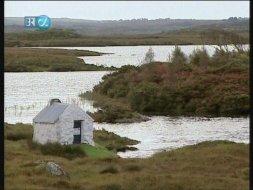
{"x":27,"y":93}
{"x":167,"y":133}
{"x":134,"y":55}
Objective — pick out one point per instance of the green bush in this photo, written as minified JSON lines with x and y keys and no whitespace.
{"x":200,"y":57}
{"x":178,"y":56}
{"x":143,"y":97}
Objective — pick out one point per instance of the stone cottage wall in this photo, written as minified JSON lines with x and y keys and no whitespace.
{"x":66,"y":123}
{"x":44,"y":133}
{"x":87,"y":134}
{"x":65,"y":127}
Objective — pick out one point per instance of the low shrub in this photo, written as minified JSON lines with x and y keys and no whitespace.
{"x":17,"y":132}
{"x":56,"y":149}
{"x":17,"y":136}
{"x":67,"y":151}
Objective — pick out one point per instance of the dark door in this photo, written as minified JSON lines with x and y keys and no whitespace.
{"x":77,"y":132}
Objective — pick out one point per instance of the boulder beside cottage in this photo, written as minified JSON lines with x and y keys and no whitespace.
{"x":63,"y":123}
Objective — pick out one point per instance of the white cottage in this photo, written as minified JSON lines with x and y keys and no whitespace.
{"x":63,"y":123}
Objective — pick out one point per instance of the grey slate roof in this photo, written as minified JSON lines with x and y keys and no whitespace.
{"x":50,"y":114}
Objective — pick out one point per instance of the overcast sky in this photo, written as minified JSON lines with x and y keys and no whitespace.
{"x":113,"y":10}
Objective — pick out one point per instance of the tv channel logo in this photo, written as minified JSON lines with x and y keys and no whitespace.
{"x":42,"y":22}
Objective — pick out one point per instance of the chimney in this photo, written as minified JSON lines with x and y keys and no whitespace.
{"x":54,"y":100}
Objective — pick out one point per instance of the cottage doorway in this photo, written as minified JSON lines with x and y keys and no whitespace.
{"x":77,"y":132}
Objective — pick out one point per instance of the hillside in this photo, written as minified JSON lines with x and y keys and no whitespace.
{"x":69,"y":38}
{"x":127,"y":27}
{"x":209,"y":165}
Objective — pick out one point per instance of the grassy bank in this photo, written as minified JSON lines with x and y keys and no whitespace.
{"x":113,"y":142}
{"x":54,"y":60}
{"x":210,"y":165}
{"x":198,"y":85}
{"x":66,"y":38}
{"x":107,"y":143}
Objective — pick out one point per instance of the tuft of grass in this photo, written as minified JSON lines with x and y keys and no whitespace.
{"x":110,"y":169}
{"x":63,"y":184}
{"x":133,"y":168}
{"x":111,"y":187}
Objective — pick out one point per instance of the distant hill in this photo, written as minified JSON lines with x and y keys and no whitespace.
{"x":131,"y":27}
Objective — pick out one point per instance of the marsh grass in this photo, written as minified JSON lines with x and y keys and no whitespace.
{"x":23,"y":131}
{"x":51,"y":60}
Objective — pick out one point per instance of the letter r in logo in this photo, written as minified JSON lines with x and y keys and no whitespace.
{"x":30,"y":22}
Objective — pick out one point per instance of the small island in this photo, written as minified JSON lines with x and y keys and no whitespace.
{"x":194,"y":85}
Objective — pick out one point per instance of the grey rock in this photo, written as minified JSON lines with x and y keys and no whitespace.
{"x":55,"y":169}
{"x":51,"y":167}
